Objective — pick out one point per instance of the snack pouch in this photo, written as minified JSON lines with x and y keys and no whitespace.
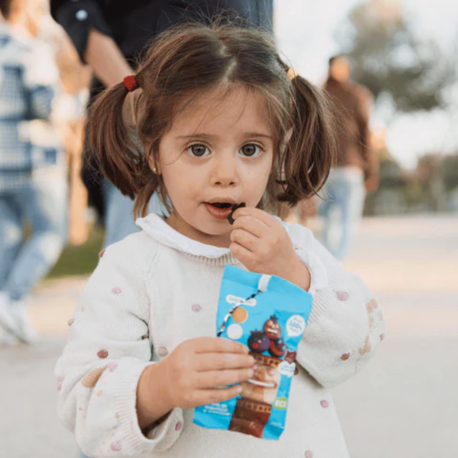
{"x":269,"y":315}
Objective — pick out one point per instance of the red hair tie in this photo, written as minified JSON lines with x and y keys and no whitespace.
{"x":131,"y":83}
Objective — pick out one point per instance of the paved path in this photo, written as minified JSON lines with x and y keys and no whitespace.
{"x":402,"y":405}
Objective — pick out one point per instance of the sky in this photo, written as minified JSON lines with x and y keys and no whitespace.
{"x":305,"y":33}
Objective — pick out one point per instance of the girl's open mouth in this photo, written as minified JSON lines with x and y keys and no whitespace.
{"x":219,"y":210}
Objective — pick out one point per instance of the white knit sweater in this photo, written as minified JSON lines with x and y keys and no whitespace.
{"x":158,"y":288}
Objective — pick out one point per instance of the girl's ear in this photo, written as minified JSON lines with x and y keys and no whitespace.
{"x":154,"y":165}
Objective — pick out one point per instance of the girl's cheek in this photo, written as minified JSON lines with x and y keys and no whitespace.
{"x":256,"y":180}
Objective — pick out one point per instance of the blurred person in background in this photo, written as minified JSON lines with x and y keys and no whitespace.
{"x":356,"y":167}
{"x":69,"y":116}
{"x":33,"y":182}
{"x":109,"y":36}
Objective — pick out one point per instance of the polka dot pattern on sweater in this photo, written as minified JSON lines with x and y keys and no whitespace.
{"x":371,"y":305}
{"x":345,"y":356}
{"x":59,"y":385}
{"x":102,"y":253}
{"x":116,"y":446}
{"x":71,"y":321}
{"x":342,"y":296}
{"x":366,"y":348}
{"x":102,"y":354}
{"x":116,"y":290}
{"x":308,"y":454}
{"x":112,"y":366}
{"x":162,"y":351}
{"x":179,"y":426}
{"x":324,"y":404}
{"x":196,"y":307}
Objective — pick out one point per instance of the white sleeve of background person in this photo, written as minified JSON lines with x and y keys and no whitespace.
{"x":40,"y":67}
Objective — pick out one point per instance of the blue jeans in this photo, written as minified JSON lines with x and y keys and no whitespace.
{"x":119,"y":219}
{"x":344,"y":193}
{"x":43,"y":202}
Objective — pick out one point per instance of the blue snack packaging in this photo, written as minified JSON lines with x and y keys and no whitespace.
{"x":269,"y":315}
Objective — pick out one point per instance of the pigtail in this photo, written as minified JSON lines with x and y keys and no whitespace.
{"x":310,"y":150}
{"x":112,"y":142}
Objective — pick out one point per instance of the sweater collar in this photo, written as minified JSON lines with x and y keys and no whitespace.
{"x":156,"y":227}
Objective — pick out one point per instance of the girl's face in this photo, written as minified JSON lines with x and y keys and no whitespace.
{"x":218,"y":152}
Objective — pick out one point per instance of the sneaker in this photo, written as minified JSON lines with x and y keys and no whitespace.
{"x":7,"y":339}
{"x":7,"y":319}
{"x":13,"y":318}
{"x":26,"y":332}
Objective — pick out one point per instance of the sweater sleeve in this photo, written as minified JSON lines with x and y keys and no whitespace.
{"x":107,"y":350}
{"x":346,"y":324}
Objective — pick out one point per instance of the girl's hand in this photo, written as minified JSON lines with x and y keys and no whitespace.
{"x":262,"y":245}
{"x":194,"y":371}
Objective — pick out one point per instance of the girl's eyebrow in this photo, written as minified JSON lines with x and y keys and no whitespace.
{"x":246,"y":135}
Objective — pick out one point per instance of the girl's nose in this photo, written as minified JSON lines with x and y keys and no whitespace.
{"x":225,"y":171}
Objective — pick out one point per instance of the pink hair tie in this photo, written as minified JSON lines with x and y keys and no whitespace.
{"x":131,"y":83}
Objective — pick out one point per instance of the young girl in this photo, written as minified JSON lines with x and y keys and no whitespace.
{"x":222,"y":121}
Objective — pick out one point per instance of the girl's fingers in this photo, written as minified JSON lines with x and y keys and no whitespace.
{"x":252,"y":225}
{"x":215,"y":379}
{"x":219,"y":361}
{"x":261,"y":215}
{"x":212,"y":396}
{"x":245,"y":239}
{"x":240,"y":252}
{"x":218,"y":345}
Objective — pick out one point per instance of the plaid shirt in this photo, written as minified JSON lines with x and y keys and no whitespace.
{"x":28,"y":81}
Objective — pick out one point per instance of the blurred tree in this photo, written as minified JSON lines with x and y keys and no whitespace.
{"x":450,"y":171}
{"x":389,"y":59}
{"x":390,"y":197}
{"x":430,"y":174}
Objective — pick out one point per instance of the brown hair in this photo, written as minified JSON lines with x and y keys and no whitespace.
{"x":7,"y":8}
{"x":183,"y":63}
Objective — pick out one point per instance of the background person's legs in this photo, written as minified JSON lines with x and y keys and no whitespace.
{"x":344,"y":193}
{"x":45,"y":205}
{"x":120,"y":221}
{"x":11,"y":221}
{"x":352,"y":209}
{"x":11,"y":236}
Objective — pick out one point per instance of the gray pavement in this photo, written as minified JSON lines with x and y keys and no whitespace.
{"x":402,"y":405}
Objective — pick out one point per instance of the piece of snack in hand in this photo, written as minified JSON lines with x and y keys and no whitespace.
{"x":234,"y":207}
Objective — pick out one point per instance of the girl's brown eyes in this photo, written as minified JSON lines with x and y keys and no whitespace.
{"x":248,"y":150}
{"x":198,"y":150}
{"x":251,"y":150}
